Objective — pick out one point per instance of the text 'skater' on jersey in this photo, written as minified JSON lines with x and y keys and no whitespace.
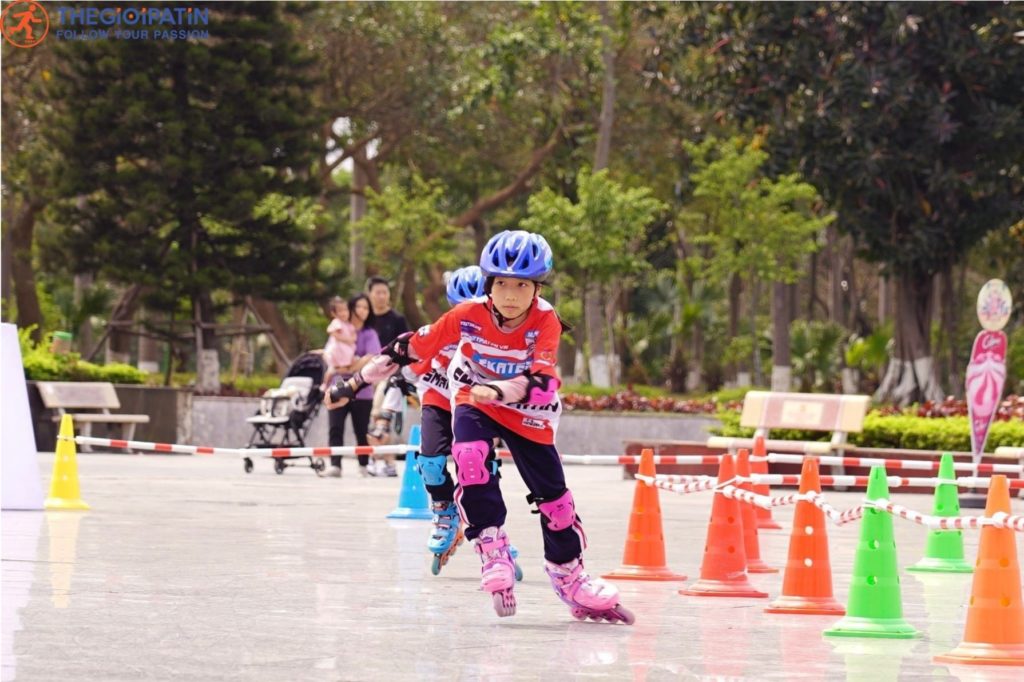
{"x":485,"y":353}
{"x":432,"y":385}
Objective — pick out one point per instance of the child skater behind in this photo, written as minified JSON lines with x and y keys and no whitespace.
{"x":504,"y":378}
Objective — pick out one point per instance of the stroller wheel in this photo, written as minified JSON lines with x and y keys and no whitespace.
{"x":247,"y":463}
{"x":318,"y":465}
{"x":279,"y":466}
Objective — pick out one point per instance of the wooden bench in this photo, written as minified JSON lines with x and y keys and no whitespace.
{"x":766,"y":410}
{"x":68,"y":397}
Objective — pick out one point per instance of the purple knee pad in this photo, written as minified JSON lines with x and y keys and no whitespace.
{"x":559,"y":512}
{"x":471,"y":462}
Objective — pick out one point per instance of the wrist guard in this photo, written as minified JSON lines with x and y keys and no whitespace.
{"x":398,"y":350}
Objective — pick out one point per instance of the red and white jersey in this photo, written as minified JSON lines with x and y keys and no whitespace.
{"x":432,"y":385}
{"x":485,"y":353}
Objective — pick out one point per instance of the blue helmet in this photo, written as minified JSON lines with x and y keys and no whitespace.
{"x":464,"y":284}
{"x":517,"y":253}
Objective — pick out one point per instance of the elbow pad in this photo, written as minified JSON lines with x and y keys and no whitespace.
{"x":532,"y":389}
{"x":541,"y":389}
{"x":379,"y":368}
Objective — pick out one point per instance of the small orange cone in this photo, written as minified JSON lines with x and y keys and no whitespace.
{"x":763,"y":516}
{"x":644,"y":555}
{"x":755,"y":564}
{"x":995,"y":615}
{"x":807,"y":583}
{"x":724,"y":570}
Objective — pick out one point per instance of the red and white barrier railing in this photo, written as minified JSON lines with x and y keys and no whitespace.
{"x":399,"y":449}
{"x":916,"y":464}
{"x":857,"y":481}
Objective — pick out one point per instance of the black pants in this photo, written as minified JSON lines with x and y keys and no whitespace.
{"x":540,"y":466}
{"x":360,"y":411}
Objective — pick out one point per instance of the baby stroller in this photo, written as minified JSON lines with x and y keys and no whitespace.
{"x":286,"y":413}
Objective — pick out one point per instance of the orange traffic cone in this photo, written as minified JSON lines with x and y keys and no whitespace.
{"x":763,"y":516}
{"x":644,"y":555}
{"x":724,"y":570}
{"x":807,"y":583}
{"x":755,"y":564}
{"x":995,"y":616}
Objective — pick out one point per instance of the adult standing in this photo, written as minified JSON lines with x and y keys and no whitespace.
{"x":388,"y":324}
{"x":367,"y":345}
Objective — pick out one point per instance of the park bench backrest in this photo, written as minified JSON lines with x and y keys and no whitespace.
{"x":840,"y":414}
{"x":79,"y":395}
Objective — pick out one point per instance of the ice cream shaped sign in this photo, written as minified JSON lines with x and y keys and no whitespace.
{"x":986,"y":373}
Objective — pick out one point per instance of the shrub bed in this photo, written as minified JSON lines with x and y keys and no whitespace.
{"x":883,"y":429}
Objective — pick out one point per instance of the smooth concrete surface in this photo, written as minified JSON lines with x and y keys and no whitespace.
{"x":186,"y":568}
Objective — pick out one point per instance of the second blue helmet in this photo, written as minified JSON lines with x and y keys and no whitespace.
{"x":517,"y":253}
{"x":464,"y":284}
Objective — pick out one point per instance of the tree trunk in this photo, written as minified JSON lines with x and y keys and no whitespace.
{"x":735,"y":289}
{"x":83,"y":335}
{"x":282,"y":339}
{"x":594,"y":317}
{"x":946,"y":352}
{"x":604,"y":131}
{"x":149,"y":352}
{"x":677,"y":369}
{"x":207,"y":357}
{"x":567,"y":347}
{"x":357,"y":209}
{"x":239,"y":344}
{"x":119,"y":341}
{"x":883,"y":299}
{"x":782,"y":372}
{"x":22,"y":235}
{"x":836,"y":304}
{"x":755,"y":296}
{"x":6,"y":263}
{"x":910,"y":376}
{"x":410,"y":306}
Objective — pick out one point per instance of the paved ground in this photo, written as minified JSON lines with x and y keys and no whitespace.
{"x":187,"y":568}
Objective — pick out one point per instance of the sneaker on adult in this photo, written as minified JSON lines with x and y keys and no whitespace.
{"x":364,"y":471}
{"x":390,"y":470}
{"x":334,"y":472}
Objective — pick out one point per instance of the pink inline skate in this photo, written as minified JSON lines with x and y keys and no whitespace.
{"x":498,"y":574}
{"x":587,"y":597}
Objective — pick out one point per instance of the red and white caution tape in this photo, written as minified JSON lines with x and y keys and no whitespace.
{"x":998,"y":520}
{"x":701,"y":483}
{"x":398,"y":449}
{"x":893,"y":481}
{"x":837,"y":516}
{"x":920,"y":464}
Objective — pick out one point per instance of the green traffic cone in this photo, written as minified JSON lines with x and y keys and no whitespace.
{"x":944,"y":552}
{"x":874,"y":608}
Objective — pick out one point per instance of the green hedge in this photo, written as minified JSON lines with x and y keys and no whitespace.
{"x":899,"y":431}
{"x":42,"y":365}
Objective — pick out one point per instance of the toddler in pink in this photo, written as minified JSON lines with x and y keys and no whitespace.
{"x":340,"y":350}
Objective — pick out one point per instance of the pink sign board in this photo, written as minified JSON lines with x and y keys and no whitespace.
{"x":986,"y":375}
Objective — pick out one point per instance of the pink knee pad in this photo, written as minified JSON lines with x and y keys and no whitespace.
{"x":559,"y":512}
{"x":471,"y":462}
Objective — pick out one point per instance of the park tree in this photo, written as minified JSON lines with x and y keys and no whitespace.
{"x":192,"y":160}
{"x":478,"y":96}
{"x":596,"y":240}
{"x":757,"y":228}
{"x":907,"y":117}
{"x":26,"y":159}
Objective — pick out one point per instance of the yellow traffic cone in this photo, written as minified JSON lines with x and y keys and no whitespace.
{"x":64,"y":493}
